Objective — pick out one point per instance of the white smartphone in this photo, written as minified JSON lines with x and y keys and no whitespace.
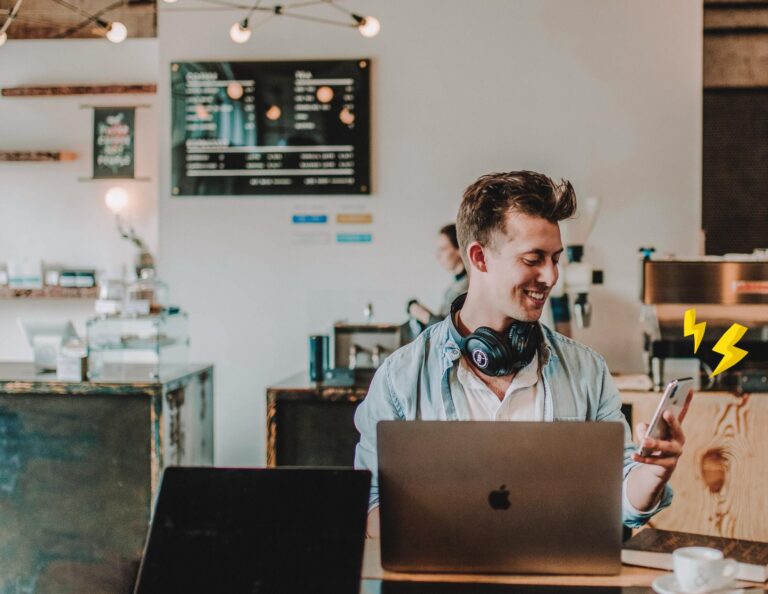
{"x":677,"y":397}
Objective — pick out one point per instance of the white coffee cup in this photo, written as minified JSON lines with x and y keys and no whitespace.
{"x":701,"y":569}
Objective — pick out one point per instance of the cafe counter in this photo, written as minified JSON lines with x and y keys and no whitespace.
{"x":80,"y":463}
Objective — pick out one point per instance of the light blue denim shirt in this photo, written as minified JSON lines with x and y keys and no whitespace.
{"x":418,"y":381}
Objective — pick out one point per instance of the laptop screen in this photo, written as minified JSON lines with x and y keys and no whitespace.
{"x":255,"y":531}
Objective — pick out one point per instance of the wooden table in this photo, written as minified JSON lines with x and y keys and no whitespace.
{"x":629,"y":577}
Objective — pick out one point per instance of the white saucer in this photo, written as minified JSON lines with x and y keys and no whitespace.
{"x":667,"y":584}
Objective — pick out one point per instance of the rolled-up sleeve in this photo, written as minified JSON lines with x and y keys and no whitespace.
{"x":610,"y":410}
{"x":380,"y":404}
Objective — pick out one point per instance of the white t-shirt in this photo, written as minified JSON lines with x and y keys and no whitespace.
{"x":523,"y":400}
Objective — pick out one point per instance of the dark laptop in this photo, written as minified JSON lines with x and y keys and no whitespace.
{"x":247,"y":531}
{"x":501,"y":497}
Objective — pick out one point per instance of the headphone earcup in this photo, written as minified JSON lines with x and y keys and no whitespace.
{"x":489,"y":352}
{"x":524,"y":341}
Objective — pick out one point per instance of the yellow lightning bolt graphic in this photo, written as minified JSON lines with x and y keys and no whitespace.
{"x":725,"y":346}
{"x":691,"y":327}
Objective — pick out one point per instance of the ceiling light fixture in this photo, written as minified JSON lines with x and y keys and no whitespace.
{"x":242,"y":30}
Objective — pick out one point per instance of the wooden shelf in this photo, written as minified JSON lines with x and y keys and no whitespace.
{"x":64,"y":90}
{"x":19,"y":156}
{"x":49,"y":293}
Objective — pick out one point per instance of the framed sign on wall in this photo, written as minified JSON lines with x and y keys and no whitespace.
{"x":270,"y":128}
{"x":113,"y":142}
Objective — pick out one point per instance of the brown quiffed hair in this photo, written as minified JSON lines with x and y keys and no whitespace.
{"x":486,"y":203}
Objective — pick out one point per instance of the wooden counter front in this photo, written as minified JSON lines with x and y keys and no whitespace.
{"x":721,"y":481}
{"x":80,"y":463}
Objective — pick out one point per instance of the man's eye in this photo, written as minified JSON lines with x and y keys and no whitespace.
{"x":532,"y":262}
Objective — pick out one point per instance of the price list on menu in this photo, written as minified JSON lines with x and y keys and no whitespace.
{"x":266,"y":128}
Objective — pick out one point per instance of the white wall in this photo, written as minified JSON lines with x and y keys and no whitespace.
{"x":45,"y":212}
{"x":606,"y":93}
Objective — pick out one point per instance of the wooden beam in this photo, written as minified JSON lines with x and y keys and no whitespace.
{"x":14,"y":156}
{"x":49,"y":292}
{"x":63,"y":90}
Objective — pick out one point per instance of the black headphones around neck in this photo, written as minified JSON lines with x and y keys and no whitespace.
{"x":498,"y":354}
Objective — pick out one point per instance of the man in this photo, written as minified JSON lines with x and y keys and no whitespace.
{"x":510,"y":240}
{"x":449,"y":257}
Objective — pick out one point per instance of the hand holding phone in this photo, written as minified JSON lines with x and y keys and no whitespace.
{"x":676,"y":398}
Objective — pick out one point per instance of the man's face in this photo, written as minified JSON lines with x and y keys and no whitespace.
{"x":447,"y":255}
{"x":522,"y":266}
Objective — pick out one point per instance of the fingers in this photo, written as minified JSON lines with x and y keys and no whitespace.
{"x":675,"y":428}
{"x":662,"y":447}
{"x":668,"y":463}
{"x":640,"y":430}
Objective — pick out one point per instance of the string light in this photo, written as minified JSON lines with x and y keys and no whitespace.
{"x":368,"y":26}
{"x":240,"y":32}
{"x":116,"y":32}
{"x":11,"y":16}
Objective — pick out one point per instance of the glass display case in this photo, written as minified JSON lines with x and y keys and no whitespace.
{"x":142,"y":347}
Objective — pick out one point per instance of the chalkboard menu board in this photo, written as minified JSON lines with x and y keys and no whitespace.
{"x":263,"y":128}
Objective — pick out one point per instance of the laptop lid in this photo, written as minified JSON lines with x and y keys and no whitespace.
{"x":256,"y":531}
{"x":501,"y":497}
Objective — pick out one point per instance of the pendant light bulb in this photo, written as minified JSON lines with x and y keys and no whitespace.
{"x":369,"y":26}
{"x":239,"y":32}
{"x":117,"y":32}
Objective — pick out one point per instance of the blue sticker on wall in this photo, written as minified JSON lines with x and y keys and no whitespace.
{"x":354,"y":238}
{"x":310,"y":219}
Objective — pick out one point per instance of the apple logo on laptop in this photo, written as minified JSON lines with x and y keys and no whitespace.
{"x":499,"y":499}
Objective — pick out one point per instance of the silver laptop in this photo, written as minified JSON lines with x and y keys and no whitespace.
{"x":501,"y":497}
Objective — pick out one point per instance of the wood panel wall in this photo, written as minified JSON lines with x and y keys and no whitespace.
{"x":721,"y":482}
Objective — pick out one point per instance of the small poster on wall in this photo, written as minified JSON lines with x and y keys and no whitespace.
{"x":113,"y":143}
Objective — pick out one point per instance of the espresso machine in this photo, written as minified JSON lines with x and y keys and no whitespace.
{"x":361,"y":347}
{"x":724,"y":290}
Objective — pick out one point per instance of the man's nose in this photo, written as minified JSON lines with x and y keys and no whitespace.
{"x":548,"y":274}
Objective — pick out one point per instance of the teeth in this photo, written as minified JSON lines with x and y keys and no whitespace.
{"x":535,"y":294}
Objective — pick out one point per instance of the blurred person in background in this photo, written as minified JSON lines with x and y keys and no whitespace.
{"x":449,"y":257}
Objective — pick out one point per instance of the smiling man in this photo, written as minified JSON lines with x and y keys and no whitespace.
{"x":491,"y":360}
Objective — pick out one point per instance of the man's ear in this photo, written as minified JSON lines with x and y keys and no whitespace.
{"x":476,"y":257}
